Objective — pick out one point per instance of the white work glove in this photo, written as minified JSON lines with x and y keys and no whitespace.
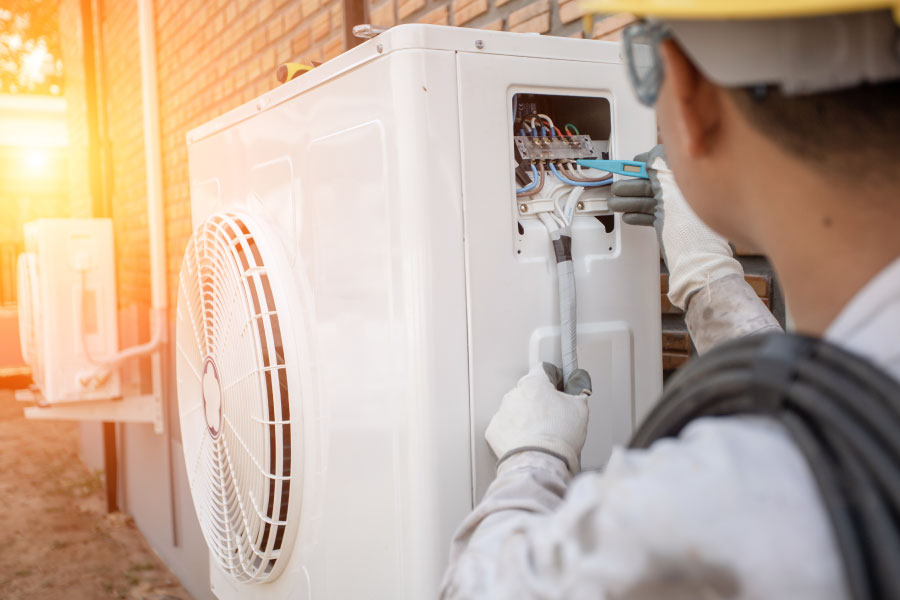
{"x":538,"y":415}
{"x":694,"y":253}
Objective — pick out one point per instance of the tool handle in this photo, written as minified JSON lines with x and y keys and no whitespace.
{"x":631,"y":168}
{"x":288,"y":71}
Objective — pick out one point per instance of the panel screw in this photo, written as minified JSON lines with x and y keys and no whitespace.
{"x":379,"y":48}
{"x":479,"y":44}
{"x":523,"y":208}
{"x":580,"y":206}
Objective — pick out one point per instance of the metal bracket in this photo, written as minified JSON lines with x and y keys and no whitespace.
{"x":131,"y":409}
{"x":589,"y":206}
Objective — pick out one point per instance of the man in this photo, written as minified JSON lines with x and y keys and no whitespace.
{"x":781,"y":122}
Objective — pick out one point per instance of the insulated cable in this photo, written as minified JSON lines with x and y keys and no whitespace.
{"x":561,"y":238}
{"x":580,"y":178}
{"x":540,"y":186}
{"x":841,"y":411}
{"x":564,"y":179}
{"x":534,"y":182}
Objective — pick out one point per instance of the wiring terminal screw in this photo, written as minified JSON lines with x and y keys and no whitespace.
{"x":580,"y":206}
{"x":523,"y":208}
{"x":479,"y":44}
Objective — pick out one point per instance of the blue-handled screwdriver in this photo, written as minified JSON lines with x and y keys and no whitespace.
{"x":631,"y":168}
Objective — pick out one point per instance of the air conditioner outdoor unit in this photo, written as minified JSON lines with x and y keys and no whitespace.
{"x":363,"y":285}
{"x":67,"y":308}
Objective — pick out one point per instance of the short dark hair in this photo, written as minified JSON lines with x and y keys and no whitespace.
{"x":848,"y":133}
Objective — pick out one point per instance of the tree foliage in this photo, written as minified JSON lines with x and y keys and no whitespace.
{"x":29,"y":47}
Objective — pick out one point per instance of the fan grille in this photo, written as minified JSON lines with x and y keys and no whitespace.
{"x":233,"y":395}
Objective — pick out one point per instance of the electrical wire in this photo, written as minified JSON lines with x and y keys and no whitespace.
{"x":579,"y":177}
{"x":546,"y":118}
{"x":573,"y":127}
{"x":534,"y":183}
{"x":564,"y":179}
{"x":540,"y":186}
{"x":842,"y":412}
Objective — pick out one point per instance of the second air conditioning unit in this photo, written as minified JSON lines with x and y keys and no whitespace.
{"x":67,"y":309}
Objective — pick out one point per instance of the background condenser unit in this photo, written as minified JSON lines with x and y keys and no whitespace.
{"x":369,"y":274}
{"x":67,"y":309}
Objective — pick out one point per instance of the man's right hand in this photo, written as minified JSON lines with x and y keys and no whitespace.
{"x":694,"y":253}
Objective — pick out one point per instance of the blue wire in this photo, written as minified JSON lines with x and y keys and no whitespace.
{"x":543,"y":131}
{"x":565,"y":179}
{"x":533,"y":184}
{"x":521,"y":132}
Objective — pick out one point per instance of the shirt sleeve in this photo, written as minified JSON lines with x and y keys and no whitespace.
{"x":725,"y":309}
{"x":729,"y":510}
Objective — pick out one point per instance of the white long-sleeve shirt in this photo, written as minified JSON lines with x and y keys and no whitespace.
{"x":727,"y":510}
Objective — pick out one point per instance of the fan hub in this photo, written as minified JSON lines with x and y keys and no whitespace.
{"x":212,"y":397}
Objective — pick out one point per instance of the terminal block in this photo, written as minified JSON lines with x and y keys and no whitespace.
{"x":555,"y":148}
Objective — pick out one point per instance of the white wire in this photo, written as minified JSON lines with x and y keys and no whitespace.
{"x":546,"y":118}
{"x":571,"y":203}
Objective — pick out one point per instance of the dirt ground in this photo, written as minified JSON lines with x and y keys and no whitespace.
{"x":56,"y":542}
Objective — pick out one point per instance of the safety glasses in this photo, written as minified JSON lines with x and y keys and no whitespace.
{"x":640,"y":45}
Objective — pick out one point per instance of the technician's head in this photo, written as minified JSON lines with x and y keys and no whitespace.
{"x":810,"y":87}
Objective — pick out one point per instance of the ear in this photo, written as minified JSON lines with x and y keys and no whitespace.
{"x":695,"y":102}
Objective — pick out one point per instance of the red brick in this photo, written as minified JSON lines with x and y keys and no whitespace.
{"x":309,"y":7}
{"x":466,"y":10}
{"x":384,"y":14}
{"x":274,"y":28}
{"x":569,"y":10}
{"x":673,"y":360}
{"x":438,"y":16}
{"x":259,"y":40}
{"x":301,"y":42}
{"x":527,"y":13}
{"x":676,"y":341}
{"x":333,"y":47}
{"x":321,"y":26}
{"x":611,"y":27}
{"x":408,"y":7}
{"x":292,"y":16}
{"x":760,"y":284}
{"x":337,"y":18}
{"x":667,"y":307}
{"x":538,"y":24}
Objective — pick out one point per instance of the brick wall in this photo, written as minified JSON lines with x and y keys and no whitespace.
{"x":554,"y":17}
{"x":72,"y":56}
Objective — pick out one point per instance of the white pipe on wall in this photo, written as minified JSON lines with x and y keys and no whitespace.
{"x":156,"y":224}
{"x":152,"y":158}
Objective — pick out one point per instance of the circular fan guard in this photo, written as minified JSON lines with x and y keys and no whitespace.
{"x":234,"y":396}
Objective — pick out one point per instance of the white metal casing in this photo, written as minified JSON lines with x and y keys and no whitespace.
{"x":59,"y":250}
{"x":385,"y":179}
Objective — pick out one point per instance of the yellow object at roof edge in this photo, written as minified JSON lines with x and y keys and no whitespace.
{"x":737,"y":9}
